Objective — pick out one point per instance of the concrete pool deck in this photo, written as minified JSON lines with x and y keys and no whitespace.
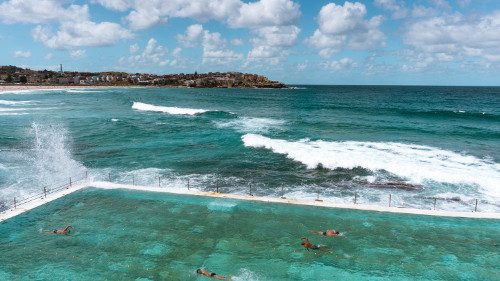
{"x":107,"y":185}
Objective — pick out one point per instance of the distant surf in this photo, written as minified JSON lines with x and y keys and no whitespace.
{"x":170,"y":110}
{"x":7,"y":102}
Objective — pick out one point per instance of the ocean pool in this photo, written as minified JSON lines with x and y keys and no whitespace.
{"x":135,"y":235}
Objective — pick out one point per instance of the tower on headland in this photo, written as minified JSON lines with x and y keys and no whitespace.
{"x":60,"y":71}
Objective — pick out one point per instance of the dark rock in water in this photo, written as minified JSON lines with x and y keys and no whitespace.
{"x":394,"y":185}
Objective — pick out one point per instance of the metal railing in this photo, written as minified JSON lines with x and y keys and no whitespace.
{"x":46,"y":190}
{"x":214,"y":186}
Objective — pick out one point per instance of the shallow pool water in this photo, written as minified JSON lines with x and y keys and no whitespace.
{"x":135,"y":235}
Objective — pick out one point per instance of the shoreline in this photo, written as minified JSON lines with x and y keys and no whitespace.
{"x":51,"y":87}
{"x":7,"y":214}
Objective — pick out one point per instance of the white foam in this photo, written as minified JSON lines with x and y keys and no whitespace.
{"x":170,"y":110}
{"x":31,"y":91}
{"x":252,"y":124}
{"x":413,"y":162}
{"x":115,"y":120}
{"x":13,"y":114}
{"x":12,"y":109}
{"x":80,"y":91}
{"x":6,"y":102}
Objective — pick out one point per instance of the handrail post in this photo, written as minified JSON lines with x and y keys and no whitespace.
{"x":475,"y":210}
{"x":188,"y":184}
{"x":217,"y":186}
{"x":109,"y":177}
{"x":45,"y":191}
{"x":282,"y":197}
{"x":158,"y":181}
{"x":69,"y":181}
{"x":15,"y":205}
{"x":133,"y":180}
{"x":250,"y":190}
{"x":390,"y":199}
{"x":434,"y":203}
{"x":355,"y":197}
{"x":318,"y":198}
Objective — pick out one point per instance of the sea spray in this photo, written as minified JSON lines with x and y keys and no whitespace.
{"x":52,"y":158}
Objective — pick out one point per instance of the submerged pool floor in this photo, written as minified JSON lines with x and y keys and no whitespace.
{"x":136,"y":235}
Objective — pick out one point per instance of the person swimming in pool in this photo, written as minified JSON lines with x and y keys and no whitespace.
{"x":329,"y":232}
{"x":212,"y":274}
{"x":60,"y":231}
{"x":308,"y":246}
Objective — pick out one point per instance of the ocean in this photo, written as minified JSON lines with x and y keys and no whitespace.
{"x":378,"y":145}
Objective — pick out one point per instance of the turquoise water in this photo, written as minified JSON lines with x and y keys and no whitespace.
{"x":132,"y":235}
{"x":411,"y":143}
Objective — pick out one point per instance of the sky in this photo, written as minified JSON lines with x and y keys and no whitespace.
{"x":378,"y":42}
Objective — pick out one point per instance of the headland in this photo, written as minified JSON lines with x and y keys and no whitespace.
{"x":15,"y":78}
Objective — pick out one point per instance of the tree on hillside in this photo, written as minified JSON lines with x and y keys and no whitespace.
{"x":9,"y":79}
{"x":23,"y":79}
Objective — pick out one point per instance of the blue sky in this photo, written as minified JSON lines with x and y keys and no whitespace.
{"x":391,"y":42}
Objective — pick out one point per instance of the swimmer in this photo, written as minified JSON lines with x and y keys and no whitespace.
{"x":212,"y":275}
{"x":60,"y":231}
{"x":329,"y":232}
{"x":308,"y":246}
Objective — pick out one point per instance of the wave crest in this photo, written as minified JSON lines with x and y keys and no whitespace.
{"x":170,"y":110}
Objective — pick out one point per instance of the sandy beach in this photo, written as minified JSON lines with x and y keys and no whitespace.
{"x":45,"y":87}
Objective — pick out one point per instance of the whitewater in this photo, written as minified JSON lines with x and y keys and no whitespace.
{"x":413,"y":144}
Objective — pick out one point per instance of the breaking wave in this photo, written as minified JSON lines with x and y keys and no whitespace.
{"x":170,"y":110}
{"x":415,"y":163}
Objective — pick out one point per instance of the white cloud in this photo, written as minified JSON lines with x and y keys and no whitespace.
{"x":397,"y":8}
{"x":75,"y":28}
{"x":277,"y":36}
{"x":145,"y":15}
{"x":204,"y":10}
{"x":133,"y":49}
{"x":302,"y":66}
{"x":215,"y":49}
{"x":452,"y":37}
{"x":176,"y":52}
{"x":234,"y":12}
{"x":117,"y":5}
{"x":266,"y":13}
{"x":21,"y":54}
{"x":442,"y":4}
{"x":237,"y":42}
{"x":343,"y":64}
{"x":153,"y":55}
{"x":271,"y":43}
{"x":41,"y":11}
{"x":464,"y":3}
{"x":191,"y":36}
{"x":81,"y":34}
{"x":77,"y":54}
{"x":345,"y":26}
{"x":48,"y":56}
{"x":146,"y":18}
{"x":259,"y":16}
{"x":422,"y":11}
